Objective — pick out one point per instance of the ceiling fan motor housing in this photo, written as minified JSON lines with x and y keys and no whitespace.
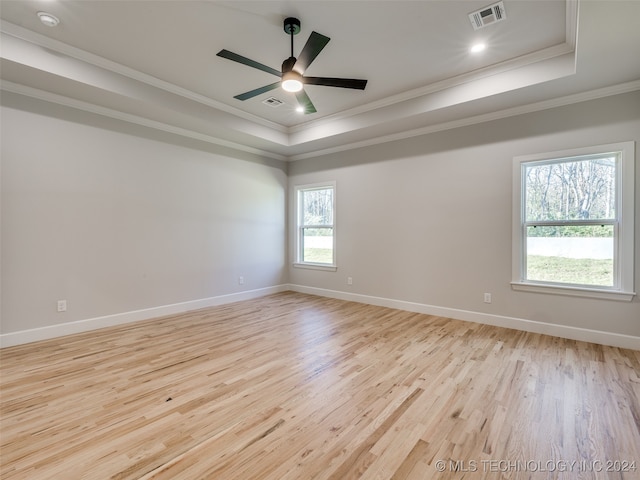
{"x":291,"y":26}
{"x":288,"y":64}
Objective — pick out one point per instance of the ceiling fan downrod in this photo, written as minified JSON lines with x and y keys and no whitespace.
{"x":291,"y":27}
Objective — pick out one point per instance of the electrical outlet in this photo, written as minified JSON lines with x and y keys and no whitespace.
{"x":487,"y":298}
{"x":240,"y":280}
{"x":349,"y":281}
{"x":62,"y":305}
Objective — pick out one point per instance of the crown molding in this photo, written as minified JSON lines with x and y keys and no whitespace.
{"x":486,"y":117}
{"x":566,"y":49}
{"x":449,"y":83}
{"x":101,"y":62}
{"x":513,"y":64}
{"x":130,"y":118}
{"x":569,"y":46}
{"x":571,"y":23}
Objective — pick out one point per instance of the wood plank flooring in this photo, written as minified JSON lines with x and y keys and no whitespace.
{"x":293,"y":386}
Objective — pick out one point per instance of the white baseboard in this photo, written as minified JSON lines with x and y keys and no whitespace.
{"x":53,"y":331}
{"x":563,"y":331}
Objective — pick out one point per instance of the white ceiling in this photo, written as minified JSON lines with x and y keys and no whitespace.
{"x":154,"y":63}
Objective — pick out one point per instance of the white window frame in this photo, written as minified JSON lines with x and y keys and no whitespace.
{"x":623,"y":288}
{"x":299,"y":190}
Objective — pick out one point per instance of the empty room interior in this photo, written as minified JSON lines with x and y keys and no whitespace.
{"x":291,"y":240}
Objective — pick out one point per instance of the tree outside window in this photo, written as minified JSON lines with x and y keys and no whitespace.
{"x":316,"y":230}
{"x":573,"y":220}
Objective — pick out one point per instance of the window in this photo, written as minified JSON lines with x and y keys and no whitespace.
{"x":573,"y":222}
{"x":315,"y":237}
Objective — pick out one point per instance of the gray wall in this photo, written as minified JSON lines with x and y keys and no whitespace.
{"x":111,"y":218}
{"x":428,"y":219}
{"x":114,"y":217}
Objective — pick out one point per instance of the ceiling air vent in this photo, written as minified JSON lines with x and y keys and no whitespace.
{"x":488,"y":15}
{"x":273,"y":102}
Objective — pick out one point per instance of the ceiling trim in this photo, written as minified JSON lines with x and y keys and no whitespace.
{"x":513,"y":64}
{"x":127,"y":117}
{"x":459,"y":89}
{"x":569,"y":46}
{"x":343,"y":126}
{"x":485,"y":117}
{"x":571,"y":23}
{"x":101,"y":62}
{"x":420,"y":108}
{"x":510,"y":112}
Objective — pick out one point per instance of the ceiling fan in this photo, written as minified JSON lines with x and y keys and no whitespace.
{"x":292,"y":78}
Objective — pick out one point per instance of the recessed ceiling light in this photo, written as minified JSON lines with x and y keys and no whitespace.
{"x":478,"y":47}
{"x":48,"y":19}
{"x":299,"y":109}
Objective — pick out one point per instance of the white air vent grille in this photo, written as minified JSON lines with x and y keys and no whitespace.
{"x":273,"y":102}
{"x":488,"y":15}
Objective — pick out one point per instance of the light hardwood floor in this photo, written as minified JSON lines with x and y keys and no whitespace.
{"x":293,"y":386}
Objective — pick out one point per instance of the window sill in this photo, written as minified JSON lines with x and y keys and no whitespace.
{"x":316,"y":266}
{"x":574,"y":291}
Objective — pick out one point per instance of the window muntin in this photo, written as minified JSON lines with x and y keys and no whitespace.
{"x":316,"y":230}
{"x":573,"y":220}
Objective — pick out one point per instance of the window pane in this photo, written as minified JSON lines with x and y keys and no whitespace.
{"x":583,"y":189}
{"x":575,"y":254}
{"x":317,"y":245}
{"x":317,"y":207}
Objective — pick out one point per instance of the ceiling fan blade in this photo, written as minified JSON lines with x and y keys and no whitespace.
{"x":336,"y":82}
{"x":305,"y":102}
{"x":310,"y":51}
{"x":257,"y":91}
{"x":247,"y":61}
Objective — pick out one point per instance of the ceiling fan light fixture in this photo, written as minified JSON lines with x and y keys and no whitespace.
{"x":291,"y":82}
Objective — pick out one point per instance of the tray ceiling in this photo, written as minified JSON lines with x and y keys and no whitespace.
{"x":155,"y":63}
